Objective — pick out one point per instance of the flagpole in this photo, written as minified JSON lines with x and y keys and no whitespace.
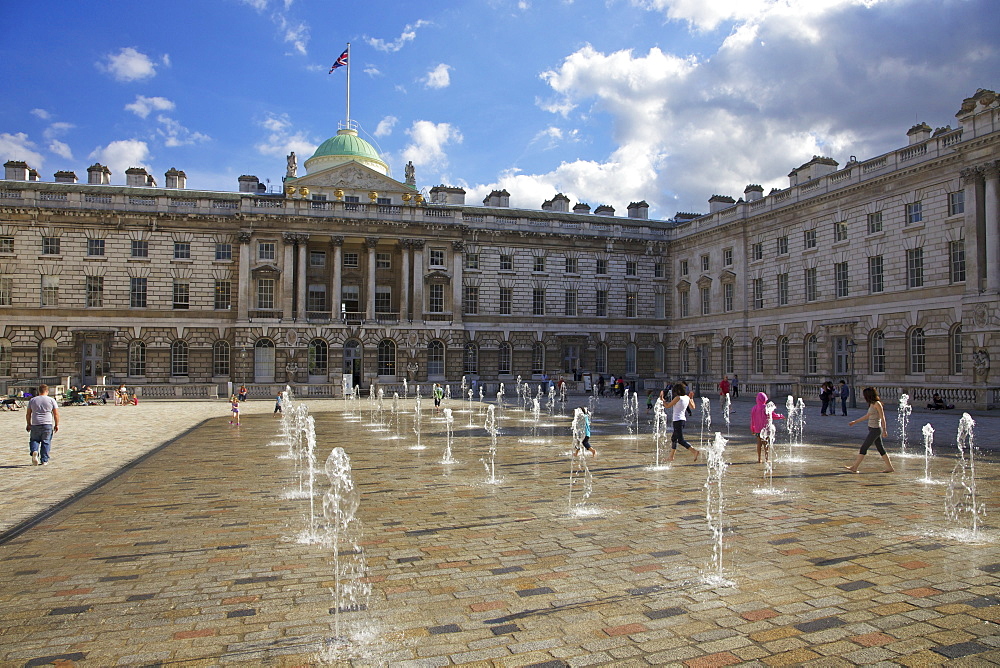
{"x":348,"y":84}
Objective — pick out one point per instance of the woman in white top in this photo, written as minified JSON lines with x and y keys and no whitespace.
{"x":876,"y":431}
{"x":682,"y":399}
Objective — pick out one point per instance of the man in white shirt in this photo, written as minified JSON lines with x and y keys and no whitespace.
{"x":42,"y":417}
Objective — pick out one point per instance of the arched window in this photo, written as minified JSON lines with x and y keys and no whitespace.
{"x":957,"y":367}
{"x":220,"y":358}
{"x":659,"y":365}
{"x":5,"y":357}
{"x":263,"y":361}
{"x":783,"y":354}
{"x":435,"y":358}
{"x":537,"y":357}
{"x":319,"y":355}
{"x":630,"y":356}
{"x":728,"y":357}
{"x":387,"y":357}
{"x":758,"y":356}
{"x":918,"y":360}
{"x":682,"y":352}
{"x":601,"y":358}
{"x":505,"y":354}
{"x":877,"y":352}
{"x":47,"y":363}
{"x":812,"y":354}
{"x":137,"y":358}
{"x":470,"y":362}
{"x":179,"y":358}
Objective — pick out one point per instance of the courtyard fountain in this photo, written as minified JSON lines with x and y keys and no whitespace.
{"x":418,"y":416}
{"x":962,"y":504}
{"x":660,"y":425}
{"x":715,"y":508}
{"x":903,"y":418}
{"x":490,"y":461}
{"x":928,"y":432}
{"x":706,"y":419}
{"x":449,"y":427}
{"x":726,"y":404}
{"x":579,"y":470}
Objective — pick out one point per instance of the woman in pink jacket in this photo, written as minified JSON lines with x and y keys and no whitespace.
{"x":758,"y":420}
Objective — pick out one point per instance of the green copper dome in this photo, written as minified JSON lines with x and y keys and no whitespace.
{"x":346,"y":146}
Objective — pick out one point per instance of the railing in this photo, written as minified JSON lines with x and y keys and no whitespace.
{"x":225,"y":204}
{"x":176,"y":391}
{"x":319,"y":316}
{"x":272,"y":203}
{"x":438,"y":317}
{"x":438,"y":213}
{"x":181,"y":202}
{"x":273,"y":314}
{"x":473,"y":218}
{"x":96,"y":199}
{"x":52,"y":197}
{"x":142,"y":201}
{"x":353,"y":317}
{"x":912,"y":152}
{"x":873,"y":165}
{"x":387,"y":318}
{"x":10,"y":194}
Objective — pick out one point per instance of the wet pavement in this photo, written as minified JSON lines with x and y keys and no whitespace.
{"x":187,"y":554}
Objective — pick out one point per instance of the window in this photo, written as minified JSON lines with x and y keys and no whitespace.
{"x":659,"y":359}
{"x":684,"y":357}
{"x":706,"y":301}
{"x":435,"y":298}
{"x":317,"y":259}
{"x":875,"y":274}
{"x":630,"y":358}
{"x":223,"y":252}
{"x":839,"y":230}
{"x":95,"y":247}
{"x":757,"y":251}
{"x":48,"y":362}
{"x":684,"y":268}
{"x":50,"y":245}
{"x":956,"y":203}
{"x":351,"y":261}
{"x":472,"y":260}
{"x":220,"y":358}
{"x":658,"y":271}
{"x":631,"y":268}
{"x":782,"y":245}
{"x":956,"y":261}
{"x":470,"y":299}
{"x":875,"y":222}
{"x":841,"y":278}
{"x":95,"y":291}
{"x":602,"y":304}
{"x":137,"y":358}
{"x":783,"y":354}
{"x":684,"y":303}
{"x":758,"y":293}
{"x":809,"y":238}
{"x":437,"y":257}
{"x":179,"y":358}
{"x":506,"y":301}
{"x":50,"y":291}
{"x":137,"y":292}
{"x":266,"y":250}
{"x":5,"y":357}
{"x":506,"y":262}
{"x":812,"y":292}
{"x":915,"y":267}
{"x":350,"y":299}
{"x":601,"y":358}
{"x":383,"y":299}
{"x":265,"y":293}
{"x":538,"y":357}
{"x":182,"y":295}
{"x":727,"y":257}
{"x":602,"y":266}
{"x":758,"y":356}
{"x":728,"y":356}
{"x":812,"y":354}
{"x":387,"y":357}
{"x":728,"y":290}
{"x":435,"y":358}
{"x":538,"y":301}
{"x":6,"y":244}
{"x":877,"y":346}
{"x":504,"y":356}
{"x":470,"y":360}
{"x":182,"y":250}
{"x":383,"y":260}
{"x":660,"y":305}
{"x":956,"y":350}
{"x":918,"y":361}
{"x":705,"y":263}
{"x":631,"y":304}
{"x":318,"y":357}
{"x":782,"y":289}
{"x":572,"y":265}
{"x":6,"y":291}
{"x":316,"y":298}
{"x":140,"y":248}
{"x":914,"y":213}
{"x":539,"y":263}
{"x":570,"y":303}
{"x":223,"y":295}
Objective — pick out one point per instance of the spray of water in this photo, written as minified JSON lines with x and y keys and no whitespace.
{"x":903,"y":417}
{"x":493,"y":429}
{"x":726,"y":403}
{"x":706,"y":419}
{"x":962,"y":503}
{"x":928,"y":432}
{"x":449,"y":426}
{"x":579,"y":471}
{"x":659,"y":434}
{"x":715,"y":507}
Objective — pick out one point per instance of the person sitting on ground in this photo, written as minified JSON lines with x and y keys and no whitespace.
{"x":9,"y":404}
{"x":938,"y":404}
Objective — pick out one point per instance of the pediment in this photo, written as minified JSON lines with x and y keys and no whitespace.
{"x":350,"y":176}
{"x":437,"y":277}
{"x":265,"y":271}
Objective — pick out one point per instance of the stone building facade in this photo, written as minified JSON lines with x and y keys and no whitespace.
{"x":882,"y":271}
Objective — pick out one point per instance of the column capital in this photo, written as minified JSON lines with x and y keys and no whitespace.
{"x":458,"y":246}
{"x":336,"y":241}
{"x":405,"y":244}
{"x":244,"y":236}
{"x":418,"y":244}
{"x":991,"y":170}
{"x":371,"y":242}
{"x":289,"y":237}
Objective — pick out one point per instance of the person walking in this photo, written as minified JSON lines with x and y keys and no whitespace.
{"x":826,"y":396}
{"x":843,"y":392}
{"x":42,"y":419}
{"x":876,"y":431}
{"x":438,"y":393}
{"x":277,"y":404}
{"x":679,"y":404}
{"x":724,"y":388}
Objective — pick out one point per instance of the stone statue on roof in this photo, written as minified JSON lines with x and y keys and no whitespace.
{"x":408,"y":171}
{"x":293,"y":166}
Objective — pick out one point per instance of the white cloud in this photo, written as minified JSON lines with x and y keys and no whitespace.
{"x":438,"y":77}
{"x":292,"y":31}
{"x":128,"y":65}
{"x":19,"y":147}
{"x":408,"y":35}
{"x":428,"y":141}
{"x":121,"y":154}
{"x":385,"y":126}
{"x":373,"y":71}
{"x":61,"y":149}
{"x":281,"y":141}
{"x":174,"y":134}
{"x":57,"y":129}
{"x":144,"y":105}
{"x":41,"y":113}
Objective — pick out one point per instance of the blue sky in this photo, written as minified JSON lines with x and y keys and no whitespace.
{"x":608,"y":101}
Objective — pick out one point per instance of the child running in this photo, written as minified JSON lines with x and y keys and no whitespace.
{"x":758,"y":420}
{"x":680,"y":404}
{"x":235,"y":408}
{"x":586,"y":434}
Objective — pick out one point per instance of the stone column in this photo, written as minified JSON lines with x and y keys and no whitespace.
{"x":974,"y":247}
{"x":370,"y":244}
{"x":418,"y":279}
{"x":991,"y":211}
{"x":303,"y":240}
{"x":287,"y":273}
{"x":404,"y":297}
{"x":244,"y":280}
{"x":458,"y":262}
{"x":337,"y":247}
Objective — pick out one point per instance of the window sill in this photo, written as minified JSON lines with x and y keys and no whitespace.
{"x":49,"y":258}
{"x":182,"y":260}
{"x":95,"y":258}
{"x":137,"y":259}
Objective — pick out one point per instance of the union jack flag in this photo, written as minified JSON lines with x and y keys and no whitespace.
{"x":340,"y":62}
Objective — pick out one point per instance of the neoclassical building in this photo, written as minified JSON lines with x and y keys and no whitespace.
{"x":881,"y":271}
